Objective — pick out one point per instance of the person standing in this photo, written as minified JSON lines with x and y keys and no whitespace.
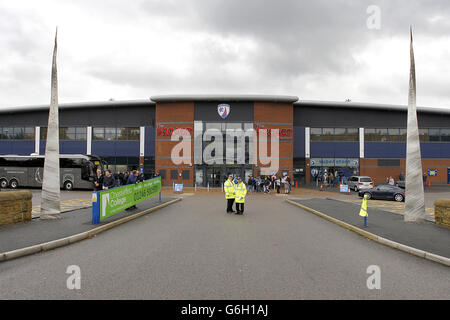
{"x":391,"y":181}
{"x":288,"y":182}
{"x":331,"y":179}
{"x":250,"y":183}
{"x":241,"y":192}
{"x":424,"y":177}
{"x":278,"y":183}
{"x":98,"y":180}
{"x":400,"y":177}
{"x":267,"y":184}
{"x":229,"y":187}
{"x":108,"y":180}
{"x":132,"y":179}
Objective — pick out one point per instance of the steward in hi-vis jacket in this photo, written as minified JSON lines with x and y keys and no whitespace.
{"x":240,"y":192}
{"x":229,"y":193}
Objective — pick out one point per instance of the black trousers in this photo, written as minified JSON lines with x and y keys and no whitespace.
{"x":230,"y":205}
{"x":240,"y":207}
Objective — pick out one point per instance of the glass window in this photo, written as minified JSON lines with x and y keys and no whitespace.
{"x":110,"y":134}
{"x":81,"y":133}
{"x":128,"y":133}
{"x":402,"y":136}
{"x":8,"y":132}
{"x":382,"y":135}
{"x":29,"y":133}
{"x":377,"y":134}
{"x":351,"y":134}
{"x":340,"y":134}
{"x":43,"y":133}
{"x":445,"y":135}
{"x":327,"y":134}
{"x":64,"y":135}
{"x":369,"y":134}
{"x":134,"y":134}
{"x":315,"y":134}
{"x":423,"y":135}
{"x":18,"y":133}
{"x":393,"y":134}
{"x":98,"y":134}
{"x":434,"y":135}
{"x":122,"y":133}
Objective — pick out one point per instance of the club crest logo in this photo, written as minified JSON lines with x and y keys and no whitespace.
{"x":223,"y":110}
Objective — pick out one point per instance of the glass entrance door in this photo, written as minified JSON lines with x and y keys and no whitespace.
{"x":217,"y":175}
{"x":213,"y":177}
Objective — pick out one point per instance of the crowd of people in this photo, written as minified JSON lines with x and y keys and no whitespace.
{"x":330,"y":179}
{"x":108,"y":180}
{"x":266,"y":183}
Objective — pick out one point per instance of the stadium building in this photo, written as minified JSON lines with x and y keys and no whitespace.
{"x":314,"y":136}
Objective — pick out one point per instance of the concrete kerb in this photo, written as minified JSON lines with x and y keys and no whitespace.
{"x":392,"y":244}
{"x":77,"y":237}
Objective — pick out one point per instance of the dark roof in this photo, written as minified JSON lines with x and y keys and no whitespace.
{"x":261,"y":98}
{"x":224,"y":98}
{"x":363,"y":105}
{"x":81,"y":105}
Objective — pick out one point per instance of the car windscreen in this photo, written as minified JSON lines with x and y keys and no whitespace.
{"x":365,"y":180}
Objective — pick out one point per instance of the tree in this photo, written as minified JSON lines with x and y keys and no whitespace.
{"x":50,"y":197}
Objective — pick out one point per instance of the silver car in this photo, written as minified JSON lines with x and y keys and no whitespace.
{"x":360,"y":182}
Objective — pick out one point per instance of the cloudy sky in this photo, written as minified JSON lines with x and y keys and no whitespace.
{"x":317,"y":50}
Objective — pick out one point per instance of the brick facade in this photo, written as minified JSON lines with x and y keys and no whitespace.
{"x":369,"y":167}
{"x":173,"y":115}
{"x":275,"y":115}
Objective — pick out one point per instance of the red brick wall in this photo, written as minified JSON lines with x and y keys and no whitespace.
{"x":173,"y":115}
{"x":369,"y":167}
{"x":273,"y":115}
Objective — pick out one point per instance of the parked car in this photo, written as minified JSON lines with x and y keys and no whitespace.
{"x":360,"y":182}
{"x":400,"y":184}
{"x":384,"y":192}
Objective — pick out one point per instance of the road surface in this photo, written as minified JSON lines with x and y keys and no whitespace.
{"x":194,"y":250}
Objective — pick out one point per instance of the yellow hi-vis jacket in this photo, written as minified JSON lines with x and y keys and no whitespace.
{"x":241,"y":192}
{"x":229,"y":189}
{"x":363,"y":211}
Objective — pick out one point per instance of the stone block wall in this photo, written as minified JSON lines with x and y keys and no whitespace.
{"x":15,"y":206}
{"x":442,"y":212}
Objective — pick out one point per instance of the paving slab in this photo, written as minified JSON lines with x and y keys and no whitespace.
{"x":21,"y":235}
{"x":425,"y":236}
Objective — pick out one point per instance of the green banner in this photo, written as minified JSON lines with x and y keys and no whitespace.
{"x":118,"y":199}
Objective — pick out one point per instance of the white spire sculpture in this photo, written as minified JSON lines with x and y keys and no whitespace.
{"x":415,"y":198}
{"x":50,"y":198}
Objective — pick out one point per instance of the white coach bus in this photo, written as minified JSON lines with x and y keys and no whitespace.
{"x":76,"y":170}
